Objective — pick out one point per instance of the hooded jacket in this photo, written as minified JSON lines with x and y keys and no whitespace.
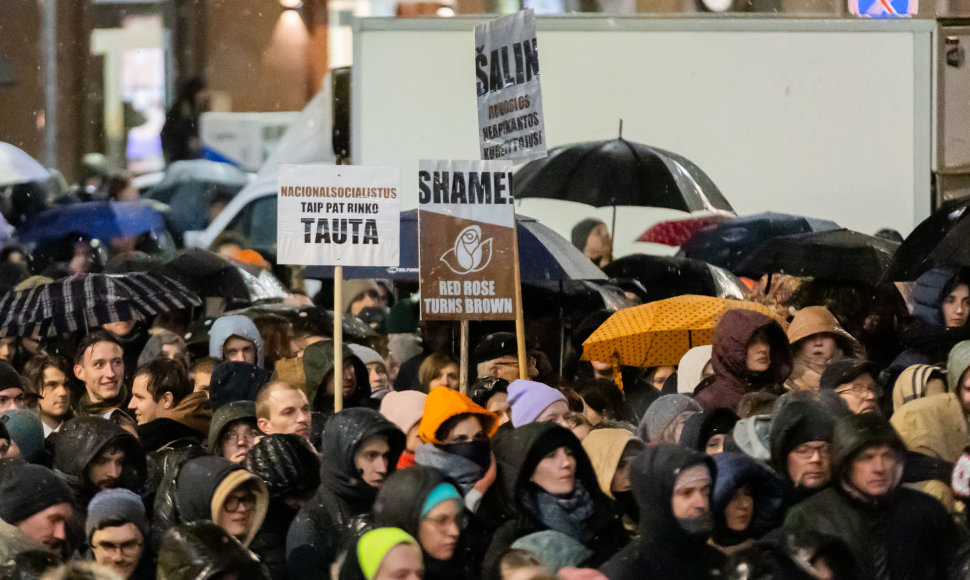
{"x":731,"y":379}
{"x":605,"y":447}
{"x":203,"y":484}
{"x":318,"y":365}
{"x":204,"y":551}
{"x":234,"y":325}
{"x":690,"y":370}
{"x":736,"y":471}
{"x":934,"y":426}
{"x":315,"y":538}
{"x":290,"y":468}
{"x":911,"y":383}
{"x":795,"y":423}
{"x":957,"y":363}
{"x":903,"y":535}
{"x":153,"y":348}
{"x":664,"y":549}
{"x":189,"y":419}
{"x":235,"y":411}
{"x":399,"y":504}
{"x":518,"y":452}
{"x":810,"y":321}
{"x":236,"y":381}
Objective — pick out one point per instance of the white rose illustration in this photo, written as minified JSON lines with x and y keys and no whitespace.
{"x":470,"y":253}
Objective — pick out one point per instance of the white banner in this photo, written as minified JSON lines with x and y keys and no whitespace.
{"x":339,"y":215}
{"x":510,"y":121}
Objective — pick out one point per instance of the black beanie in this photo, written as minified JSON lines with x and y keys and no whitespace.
{"x":580,"y":233}
{"x":27,"y":489}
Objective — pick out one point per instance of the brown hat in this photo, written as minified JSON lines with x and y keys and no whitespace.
{"x":818,"y":319}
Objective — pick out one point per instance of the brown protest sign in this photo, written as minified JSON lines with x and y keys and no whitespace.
{"x":466,"y":222}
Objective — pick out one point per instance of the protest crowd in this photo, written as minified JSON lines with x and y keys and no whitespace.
{"x":822,"y":432}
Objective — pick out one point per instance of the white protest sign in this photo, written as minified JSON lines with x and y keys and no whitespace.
{"x":510,"y":121}
{"x":339,"y":215}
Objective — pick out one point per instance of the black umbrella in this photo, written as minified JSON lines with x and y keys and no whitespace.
{"x":668,"y":276}
{"x":619,"y":172}
{"x":318,"y":320}
{"x":87,"y":301}
{"x":841,"y":254}
{"x":940,"y":240}
{"x":211,"y":275}
{"x":728,"y":243}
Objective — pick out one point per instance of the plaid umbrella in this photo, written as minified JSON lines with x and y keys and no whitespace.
{"x":659,"y":333}
{"x":89,"y":300}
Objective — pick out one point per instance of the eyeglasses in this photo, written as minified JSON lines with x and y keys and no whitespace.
{"x":807,"y":450}
{"x":127,"y":549}
{"x":234,"y":501}
{"x":442,"y":522}
{"x":233,"y":437}
{"x":862,"y":390}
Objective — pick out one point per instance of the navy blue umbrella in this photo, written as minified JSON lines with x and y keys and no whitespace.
{"x":103,"y":220}
{"x":728,"y":243}
{"x":543,"y":255}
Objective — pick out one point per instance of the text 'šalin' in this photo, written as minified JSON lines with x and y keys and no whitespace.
{"x":496,"y":71}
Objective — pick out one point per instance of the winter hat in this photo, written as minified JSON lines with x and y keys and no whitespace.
{"x":442,"y":492}
{"x":226,"y":414}
{"x":286,"y":463}
{"x":581,"y":231}
{"x":605,"y":448}
{"x":374,"y":546}
{"x":366,"y":355}
{"x":402,"y":347}
{"x":846,"y":370}
{"x":352,"y":289}
{"x":795,"y":423}
{"x":957,"y":364}
{"x":27,"y":489}
{"x":751,"y":435}
{"x":663,"y":412}
{"x":116,"y":504}
{"x":529,"y":399}
{"x":495,"y":345}
{"x":402,"y":318}
{"x":691,"y":368}
{"x":699,"y":428}
{"x":9,"y":378}
{"x":404,"y":408}
{"x":486,"y":387}
{"x":236,"y":381}
{"x":443,"y":404}
{"x":819,"y":319}
{"x":554,"y":549}
{"x":27,"y":431}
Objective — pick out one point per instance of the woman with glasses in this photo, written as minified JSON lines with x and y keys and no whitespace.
{"x":549,"y":483}
{"x":218,"y":490}
{"x":426,"y":504}
{"x":233,"y":431}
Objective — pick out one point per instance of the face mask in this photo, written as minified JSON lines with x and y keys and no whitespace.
{"x":699,"y":526}
{"x":628,"y":504}
{"x":478,"y":452}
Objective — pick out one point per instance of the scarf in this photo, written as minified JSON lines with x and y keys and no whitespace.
{"x":564,"y":513}
{"x":465,"y":472}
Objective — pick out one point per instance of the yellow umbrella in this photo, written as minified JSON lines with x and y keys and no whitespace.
{"x":659,"y":333}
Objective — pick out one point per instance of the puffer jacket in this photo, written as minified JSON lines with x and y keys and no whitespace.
{"x":318,"y":365}
{"x":164,"y":512}
{"x":731,"y":379}
{"x":664,"y":549}
{"x":321,"y":527}
{"x":736,"y":471}
{"x":204,"y":551}
{"x":290,"y":468}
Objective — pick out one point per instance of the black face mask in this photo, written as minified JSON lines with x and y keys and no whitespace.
{"x":478,"y":452}
{"x":628,"y":504}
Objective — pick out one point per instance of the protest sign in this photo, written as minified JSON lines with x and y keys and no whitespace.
{"x":342,"y":215}
{"x":466,"y":221}
{"x":510,"y":121}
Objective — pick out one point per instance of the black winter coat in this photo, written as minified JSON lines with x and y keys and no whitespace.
{"x":204,"y":551}
{"x":319,"y":532}
{"x":664,"y":549}
{"x":517,"y":453}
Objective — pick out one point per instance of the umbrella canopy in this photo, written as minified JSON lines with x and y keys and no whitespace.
{"x":102,"y":220}
{"x":18,"y":167}
{"x":190,"y":186}
{"x":660,"y":333}
{"x":669,"y":276}
{"x":86,"y":301}
{"x":320,"y":320}
{"x":619,"y":172}
{"x":676,"y":232}
{"x":211,"y":275}
{"x":728,"y":243}
{"x":833,"y":255}
{"x":543,"y":255}
{"x":939,"y":240}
